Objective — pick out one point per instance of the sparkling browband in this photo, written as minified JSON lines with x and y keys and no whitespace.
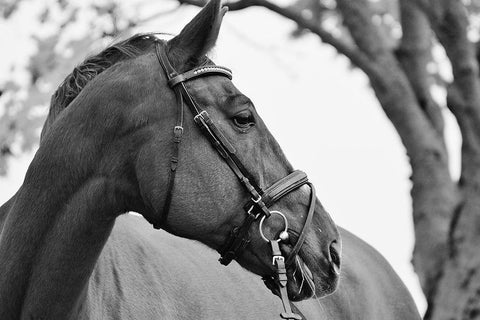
{"x":198,"y":72}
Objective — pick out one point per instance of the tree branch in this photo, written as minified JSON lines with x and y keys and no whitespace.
{"x":414,"y":54}
{"x":450,"y":22}
{"x":409,"y":121}
{"x":232,"y":6}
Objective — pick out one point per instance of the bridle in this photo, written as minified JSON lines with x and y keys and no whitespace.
{"x":261,"y":200}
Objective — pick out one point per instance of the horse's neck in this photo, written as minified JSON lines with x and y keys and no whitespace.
{"x":49,"y":246}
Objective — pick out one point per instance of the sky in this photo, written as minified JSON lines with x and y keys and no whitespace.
{"x":322,"y":112}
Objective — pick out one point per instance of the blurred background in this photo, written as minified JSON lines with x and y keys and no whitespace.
{"x":348,"y":88}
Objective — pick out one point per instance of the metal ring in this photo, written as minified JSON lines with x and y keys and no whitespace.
{"x":260,"y":226}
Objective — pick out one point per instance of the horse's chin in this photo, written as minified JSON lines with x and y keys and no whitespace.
{"x":303,"y":284}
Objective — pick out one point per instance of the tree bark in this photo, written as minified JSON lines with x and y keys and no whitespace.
{"x":458,"y":294}
{"x":433,"y":191}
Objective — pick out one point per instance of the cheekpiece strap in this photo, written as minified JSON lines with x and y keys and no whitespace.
{"x":164,"y":62}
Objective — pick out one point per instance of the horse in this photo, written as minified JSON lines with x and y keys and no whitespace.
{"x":68,"y":251}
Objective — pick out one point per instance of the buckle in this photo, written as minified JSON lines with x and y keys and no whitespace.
{"x":258,"y":199}
{"x":250,"y":212}
{"x":198,"y":118}
{"x":277,"y":258}
{"x":255,"y":202}
{"x":203,"y":115}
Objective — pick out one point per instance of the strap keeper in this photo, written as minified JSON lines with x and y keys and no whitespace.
{"x":176,"y":80}
{"x":173,"y":163}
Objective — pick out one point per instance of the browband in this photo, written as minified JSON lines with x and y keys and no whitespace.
{"x":198,"y":72}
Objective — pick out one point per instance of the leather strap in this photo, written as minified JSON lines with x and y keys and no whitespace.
{"x":306,"y":224}
{"x":282,"y":187}
{"x":281,"y":279}
{"x":199,"y":72}
{"x":158,"y":222}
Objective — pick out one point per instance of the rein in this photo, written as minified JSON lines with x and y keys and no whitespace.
{"x":257,"y":208}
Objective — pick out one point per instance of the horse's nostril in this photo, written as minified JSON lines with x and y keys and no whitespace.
{"x":334,"y":256}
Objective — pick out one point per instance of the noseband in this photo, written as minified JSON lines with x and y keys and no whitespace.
{"x":261,"y":200}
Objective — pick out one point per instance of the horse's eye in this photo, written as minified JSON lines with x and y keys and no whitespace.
{"x":244,"y":120}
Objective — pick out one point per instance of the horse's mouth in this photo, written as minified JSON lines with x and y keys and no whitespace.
{"x":300,"y":285}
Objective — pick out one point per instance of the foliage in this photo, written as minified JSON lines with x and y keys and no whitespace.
{"x":57,"y":37}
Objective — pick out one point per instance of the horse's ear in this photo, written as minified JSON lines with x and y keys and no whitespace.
{"x":197,"y":37}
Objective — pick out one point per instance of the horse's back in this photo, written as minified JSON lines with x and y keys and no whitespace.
{"x":143,"y":273}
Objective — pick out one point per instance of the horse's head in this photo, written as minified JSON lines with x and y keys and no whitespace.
{"x":207,"y":199}
{"x":177,"y":179}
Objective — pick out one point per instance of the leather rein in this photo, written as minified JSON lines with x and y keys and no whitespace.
{"x":257,"y":208}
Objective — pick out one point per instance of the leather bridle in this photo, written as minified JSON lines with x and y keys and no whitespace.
{"x":257,"y":209}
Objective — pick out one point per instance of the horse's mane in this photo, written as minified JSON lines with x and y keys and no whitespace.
{"x":90,"y":68}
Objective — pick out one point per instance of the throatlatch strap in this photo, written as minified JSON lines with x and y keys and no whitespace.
{"x":170,"y":72}
{"x":177,"y":138}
